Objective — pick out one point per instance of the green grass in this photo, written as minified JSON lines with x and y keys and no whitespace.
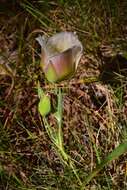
{"x":81,"y":143}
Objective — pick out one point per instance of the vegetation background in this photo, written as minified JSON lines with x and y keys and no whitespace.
{"x":94,"y":111}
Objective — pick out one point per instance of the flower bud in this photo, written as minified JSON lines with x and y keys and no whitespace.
{"x":60,"y":55}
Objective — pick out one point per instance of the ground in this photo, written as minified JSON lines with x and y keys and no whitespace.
{"x":94,"y":119}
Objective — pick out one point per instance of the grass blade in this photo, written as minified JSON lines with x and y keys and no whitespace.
{"x":121,"y":149}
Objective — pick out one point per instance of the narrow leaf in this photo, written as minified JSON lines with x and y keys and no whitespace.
{"x":121,"y":149}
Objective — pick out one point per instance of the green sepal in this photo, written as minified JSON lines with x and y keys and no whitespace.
{"x":44,"y":106}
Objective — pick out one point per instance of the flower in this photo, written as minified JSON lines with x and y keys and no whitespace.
{"x":60,"y":55}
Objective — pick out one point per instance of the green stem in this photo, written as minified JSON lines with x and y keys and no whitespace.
{"x":59,"y":119}
{"x":60,"y":137}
